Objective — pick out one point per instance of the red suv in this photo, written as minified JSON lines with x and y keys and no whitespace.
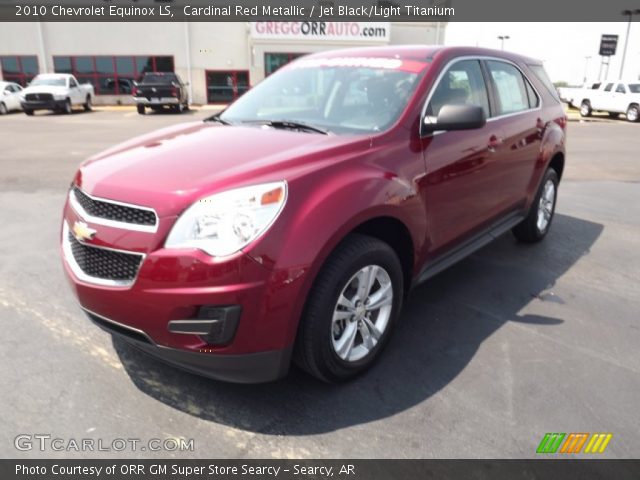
{"x":293,"y":224}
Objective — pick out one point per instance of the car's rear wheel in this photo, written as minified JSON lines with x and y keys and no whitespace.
{"x":87,"y":104}
{"x":3,"y":109}
{"x":351,"y":310}
{"x":633,"y":113}
{"x":585,"y":108}
{"x":538,"y":221}
{"x":140,"y":109}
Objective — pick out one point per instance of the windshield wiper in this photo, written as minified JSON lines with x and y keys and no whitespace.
{"x":290,"y":124}
{"x":217,"y":118}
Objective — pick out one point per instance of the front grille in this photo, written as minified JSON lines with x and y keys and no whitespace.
{"x":114,"y":211}
{"x":37,"y":97}
{"x":104,"y":264}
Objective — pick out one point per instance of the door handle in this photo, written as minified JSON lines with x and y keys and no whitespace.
{"x":494,"y":142}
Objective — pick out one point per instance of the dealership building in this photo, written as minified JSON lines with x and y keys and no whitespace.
{"x":220,"y":61}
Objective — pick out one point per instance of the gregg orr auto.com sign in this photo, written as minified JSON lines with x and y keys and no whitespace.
{"x":356,"y":31}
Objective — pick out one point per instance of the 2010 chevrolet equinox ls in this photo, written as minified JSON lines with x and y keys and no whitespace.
{"x":292,"y":225}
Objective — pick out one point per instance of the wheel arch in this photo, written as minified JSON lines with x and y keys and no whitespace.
{"x":557,"y":163}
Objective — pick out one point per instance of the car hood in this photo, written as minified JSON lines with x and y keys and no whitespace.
{"x":45,"y":89}
{"x":171,"y":168}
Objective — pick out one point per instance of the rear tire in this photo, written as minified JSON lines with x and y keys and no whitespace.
{"x":537,"y":223}
{"x":633,"y":113}
{"x":585,"y":108}
{"x":87,"y":104}
{"x":3,"y":109}
{"x":141,"y":109}
{"x":351,"y":310}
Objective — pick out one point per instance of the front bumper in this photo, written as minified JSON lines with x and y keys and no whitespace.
{"x":247,"y":368}
{"x":155,"y":101}
{"x":174,"y":286}
{"x":42,"y":104}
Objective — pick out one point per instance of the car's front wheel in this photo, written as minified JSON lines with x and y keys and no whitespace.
{"x":351,"y":310}
{"x":140,"y":109}
{"x":538,"y":221}
{"x":87,"y":104}
{"x":67,"y":108}
{"x":633,"y":113}
{"x":3,"y":109}
{"x":585,"y":108}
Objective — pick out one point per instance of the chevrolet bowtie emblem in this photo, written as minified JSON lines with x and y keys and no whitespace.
{"x":82,"y":231}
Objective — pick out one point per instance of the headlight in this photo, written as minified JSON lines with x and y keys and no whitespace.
{"x":228,"y":221}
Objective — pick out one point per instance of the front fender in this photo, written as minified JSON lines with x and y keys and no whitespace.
{"x":323,"y":208}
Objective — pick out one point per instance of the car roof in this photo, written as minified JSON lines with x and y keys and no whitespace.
{"x":424,"y":52}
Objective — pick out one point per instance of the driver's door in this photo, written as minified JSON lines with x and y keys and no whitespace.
{"x":75,"y":92}
{"x":461,"y":191}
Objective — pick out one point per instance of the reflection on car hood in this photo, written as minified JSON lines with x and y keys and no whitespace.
{"x":170,"y":168}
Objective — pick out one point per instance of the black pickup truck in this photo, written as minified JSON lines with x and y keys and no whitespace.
{"x":157,"y":90}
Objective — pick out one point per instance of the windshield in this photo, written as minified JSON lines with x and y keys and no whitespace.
{"x":634,"y":87}
{"x":50,"y":82}
{"x":353,"y":95}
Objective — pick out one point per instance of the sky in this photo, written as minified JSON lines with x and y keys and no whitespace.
{"x":562,"y":46}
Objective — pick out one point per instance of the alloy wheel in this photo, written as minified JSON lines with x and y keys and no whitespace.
{"x":362,"y":313}
{"x":545,"y":205}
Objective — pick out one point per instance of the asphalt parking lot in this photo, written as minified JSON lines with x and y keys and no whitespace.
{"x":511,"y":343}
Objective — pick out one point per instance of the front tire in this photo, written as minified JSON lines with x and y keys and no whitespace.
{"x":87,"y":104}
{"x":351,"y":310}
{"x":585,"y":108}
{"x":67,"y":109}
{"x":140,"y":109}
{"x":633,"y":113}
{"x":3,"y":109}
{"x":537,"y":223}
{"x":28,"y":112}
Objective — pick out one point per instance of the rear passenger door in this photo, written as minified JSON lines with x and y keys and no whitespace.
{"x":517,"y":115}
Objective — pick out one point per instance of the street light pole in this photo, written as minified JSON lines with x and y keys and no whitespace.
{"x":502,"y":38}
{"x":586,"y":67}
{"x":628,"y":13}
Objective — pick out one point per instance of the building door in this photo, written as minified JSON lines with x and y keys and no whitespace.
{"x":224,"y":86}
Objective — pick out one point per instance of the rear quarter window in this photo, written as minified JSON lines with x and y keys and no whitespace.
{"x":541,"y":75}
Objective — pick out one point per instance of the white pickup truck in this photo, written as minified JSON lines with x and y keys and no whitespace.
{"x":612,"y":97}
{"x":58,"y":92}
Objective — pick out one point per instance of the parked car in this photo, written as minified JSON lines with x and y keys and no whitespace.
{"x":9,"y":97}
{"x":573,"y":95}
{"x":614,"y":98}
{"x":157,"y":90}
{"x":58,"y":92}
{"x":293,"y":224}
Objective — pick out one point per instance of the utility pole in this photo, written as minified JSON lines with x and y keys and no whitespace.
{"x":502,"y":38}
{"x":630,"y":14}
{"x":586,"y":67}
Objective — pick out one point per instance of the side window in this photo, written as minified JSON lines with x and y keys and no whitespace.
{"x":462,"y":84}
{"x":620,"y":88}
{"x":72,"y":83}
{"x":608,"y":87}
{"x":510,"y":87}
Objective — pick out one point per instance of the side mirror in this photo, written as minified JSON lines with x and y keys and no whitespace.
{"x":455,"y":117}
